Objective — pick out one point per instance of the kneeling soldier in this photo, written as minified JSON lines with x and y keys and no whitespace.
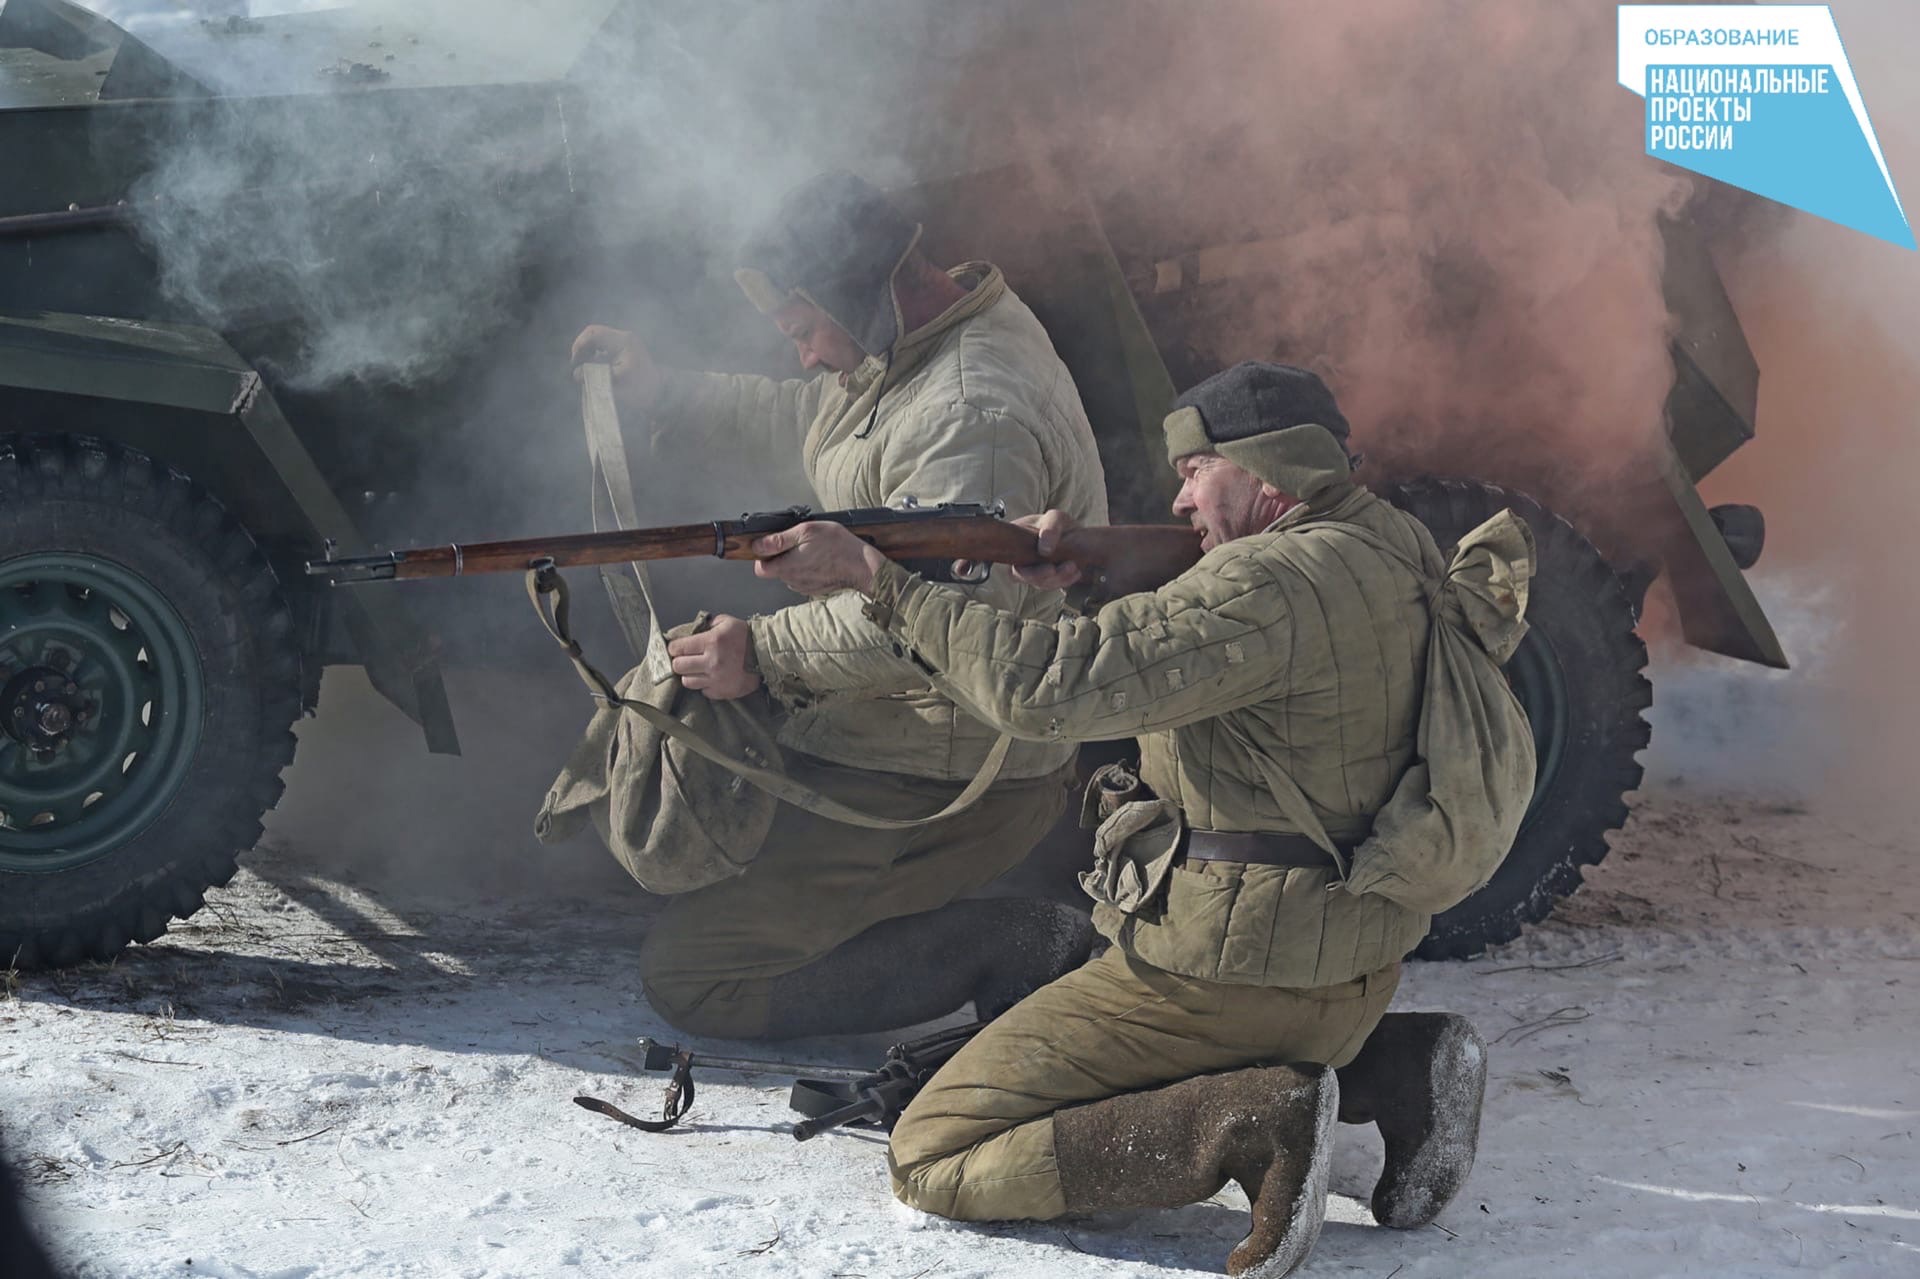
{"x":937,"y":385}
{"x":1276,"y":688}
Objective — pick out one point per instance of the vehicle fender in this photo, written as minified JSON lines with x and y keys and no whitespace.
{"x":179,"y":366}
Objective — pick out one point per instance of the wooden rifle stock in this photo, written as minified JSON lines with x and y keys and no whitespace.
{"x":1117,"y":560}
{"x":1124,"y":559}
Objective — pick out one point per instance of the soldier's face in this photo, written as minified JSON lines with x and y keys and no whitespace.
{"x":1224,"y":502}
{"x":817,"y":340}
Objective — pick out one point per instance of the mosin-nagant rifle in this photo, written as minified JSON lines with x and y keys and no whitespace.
{"x":953,"y":541}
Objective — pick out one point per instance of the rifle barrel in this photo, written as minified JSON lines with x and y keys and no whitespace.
{"x":72,"y":218}
{"x":572,"y":550}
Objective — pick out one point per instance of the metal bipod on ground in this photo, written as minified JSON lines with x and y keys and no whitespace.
{"x":827,"y":1096}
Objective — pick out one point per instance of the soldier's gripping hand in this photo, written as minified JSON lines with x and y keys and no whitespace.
{"x":817,"y":558}
{"x":718,"y":661}
{"x":1051,"y":527}
{"x":636,"y":378}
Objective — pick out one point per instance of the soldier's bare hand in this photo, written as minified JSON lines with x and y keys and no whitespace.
{"x":817,"y":558}
{"x":715,"y":661}
{"x":1051,"y":526}
{"x":636,"y":378}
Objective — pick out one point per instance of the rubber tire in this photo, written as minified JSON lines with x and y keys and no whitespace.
{"x":78,"y":494}
{"x":1582,"y":620}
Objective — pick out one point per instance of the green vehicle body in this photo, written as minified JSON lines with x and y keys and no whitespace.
{"x":92,"y":345}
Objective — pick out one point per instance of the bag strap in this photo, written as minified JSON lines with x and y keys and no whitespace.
{"x":612,"y":481}
{"x":545,"y":583}
{"x":1287,"y":795}
{"x":632,"y":603}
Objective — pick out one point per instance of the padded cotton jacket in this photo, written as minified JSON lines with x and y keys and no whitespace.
{"x":1292,"y":658}
{"x":975,"y":407}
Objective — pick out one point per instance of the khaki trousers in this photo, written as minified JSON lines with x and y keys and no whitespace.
{"x":709,"y":958}
{"x":977,"y":1143}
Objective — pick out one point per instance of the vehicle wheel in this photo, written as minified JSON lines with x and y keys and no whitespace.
{"x":149,"y":680}
{"x":1579,"y":675}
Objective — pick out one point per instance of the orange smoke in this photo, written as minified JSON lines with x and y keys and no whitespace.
{"x":1834,"y":320}
{"x":1449,"y":206}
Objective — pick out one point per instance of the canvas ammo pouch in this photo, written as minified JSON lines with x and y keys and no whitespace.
{"x":734,"y":740}
{"x":1133,"y":854}
{"x":674,"y":819}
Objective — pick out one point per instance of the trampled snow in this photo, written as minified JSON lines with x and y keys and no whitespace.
{"x":1704,"y":1064}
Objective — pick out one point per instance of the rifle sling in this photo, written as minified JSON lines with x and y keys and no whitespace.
{"x":669,"y":1118}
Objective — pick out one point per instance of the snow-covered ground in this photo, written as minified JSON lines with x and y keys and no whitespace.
{"x":1705,"y":1064}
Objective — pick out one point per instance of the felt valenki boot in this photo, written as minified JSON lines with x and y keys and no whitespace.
{"x":1268,"y":1128}
{"x":1421,"y":1077}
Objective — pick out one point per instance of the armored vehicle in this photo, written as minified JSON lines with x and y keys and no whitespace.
{"x":272,"y":284}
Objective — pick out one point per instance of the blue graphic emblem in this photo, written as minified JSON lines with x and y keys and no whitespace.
{"x":1762,"y":97}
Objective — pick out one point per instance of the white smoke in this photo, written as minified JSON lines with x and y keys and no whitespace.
{"x":387,"y":178}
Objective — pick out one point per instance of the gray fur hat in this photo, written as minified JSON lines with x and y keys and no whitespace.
{"x":1273,"y":420}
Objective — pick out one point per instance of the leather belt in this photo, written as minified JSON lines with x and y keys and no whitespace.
{"x":1259,"y":848}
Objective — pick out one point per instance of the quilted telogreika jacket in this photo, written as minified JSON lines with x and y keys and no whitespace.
{"x":974,"y":407}
{"x":1293,"y":655}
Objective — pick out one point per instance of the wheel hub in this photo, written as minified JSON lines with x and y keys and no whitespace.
{"x":41,"y":708}
{"x":101,"y":701}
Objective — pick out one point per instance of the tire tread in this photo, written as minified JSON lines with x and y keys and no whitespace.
{"x":1550,"y":861}
{"x":204,"y":851}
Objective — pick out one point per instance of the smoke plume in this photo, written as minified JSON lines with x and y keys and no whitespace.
{"x":1444,"y":209}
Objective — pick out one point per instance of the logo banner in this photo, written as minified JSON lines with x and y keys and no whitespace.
{"x":1762,"y":97}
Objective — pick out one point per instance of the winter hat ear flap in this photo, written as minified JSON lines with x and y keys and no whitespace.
{"x":1302,"y":461}
{"x":836,"y":242}
{"x":760,"y":289}
{"x":1186,"y":433}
